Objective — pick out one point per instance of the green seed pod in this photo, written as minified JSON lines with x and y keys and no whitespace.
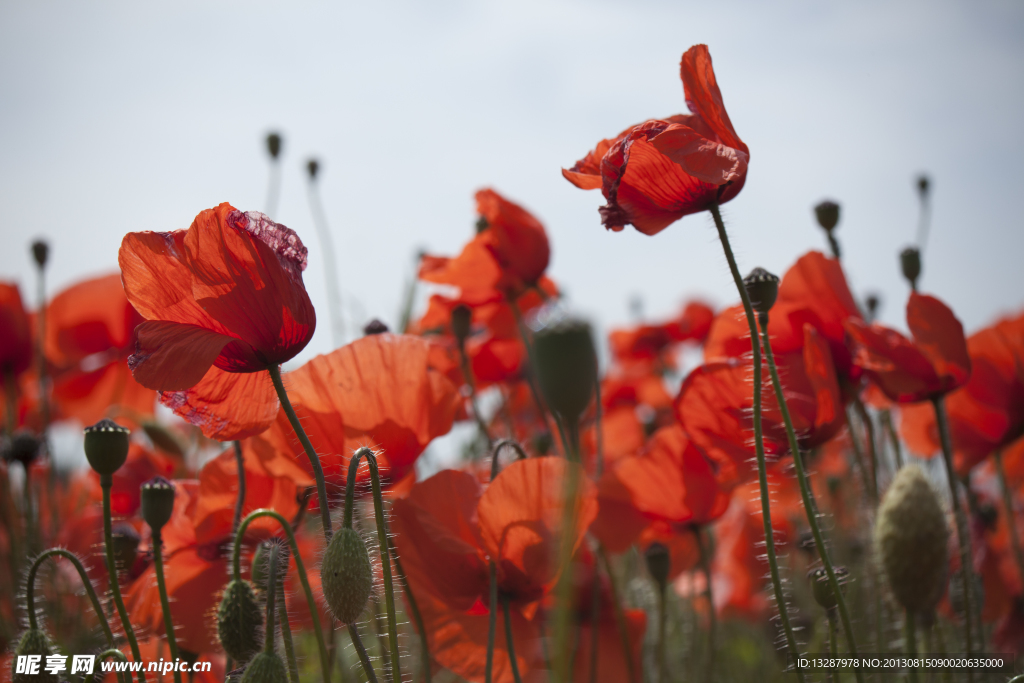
{"x":34,"y":642}
{"x":566,"y":367}
{"x":346,"y":575}
{"x":762,"y":288}
{"x":822,"y":589}
{"x":239,"y":621}
{"x":106,"y":446}
{"x":274,"y":145}
{"x":910,"y":538}
{"x":659,"y":562}
{"x":910,"y":264}
{"x":827,"y":214}
{"x":265,"y":668}
{"x":157,"y":503}
{"x":40,"y":252}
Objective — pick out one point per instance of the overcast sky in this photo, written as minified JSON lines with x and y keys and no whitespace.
{"x":118,"y":117}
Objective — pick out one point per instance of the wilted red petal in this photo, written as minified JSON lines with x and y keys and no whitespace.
{"x":700,"y":88}
{"x":226,"y":405}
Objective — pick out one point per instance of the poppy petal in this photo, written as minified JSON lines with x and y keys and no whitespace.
{"x":700,"y":88}
{"x":704,"y":159}
{"x":227,"y":405}
{"x":940,"y":336}
{"x":172,"y":356}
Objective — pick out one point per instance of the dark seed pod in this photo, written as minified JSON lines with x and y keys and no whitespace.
{"x":23,"y":447}
{"x":375,"y":326}
{"x":40,"y":252}
{"x":462,"y":318}
{"x":239,"y":621}
{"x":659,"y":563}
{"x":265,"y":667}
{"x":827,"y":214}
{"x":822,"y":589}
{"x":566,"y":367}
{"x":126,"y":544}
{"x":157,"y":503}
{"x":34,"y":642}
{"x":106,"y":446}
{"x":762,"y":288}
{"x":346,"y":575}
{"x":910,"y":263}
{"x":312,"y":167}
{"x":274,"y":145}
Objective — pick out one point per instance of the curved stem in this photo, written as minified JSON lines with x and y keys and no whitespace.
{"x":286,"y":636}
{"x":962,"y":534}
{"x":1011,"y":517}
{"x":106,"y":482}
{"x":165,"y":605}
{"x":364,"y":659}
{"x":810,"y":506}
{"x":496,"y":451}
{"x":492,"y":621}
{"x":314,"y":459}
{"x":112,"y":652}
{"x":93,"y":598}
{"x":910,"y":646}
{"x":762,"y":472}
{"x":510,"y":643}
{"x":270,"y":634}
{"x":705,"y":564}
{"x":240,"y":501}
{"x":620,"y":617}
{"x":417,"y":617}
{"x":300,"y":568}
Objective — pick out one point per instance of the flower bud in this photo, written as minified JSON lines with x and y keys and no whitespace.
{"x":157,"y":503}
{"x":462,"y":319}
{"x":346,"y":575}
{"x":163,"y":439}
{"x":910,"y":539}
{"x":375,"y":326}
{"x":261,"y":563}
{"x":274,"y":145}
{"x":762,"y":288}
{"x":313,"y":167}
{"x":239,"y":621}
{"x":266,"y":667}
{"x":106,"y":446}
{"x":827,"y":213}
{"x":34,"y":642}
{"x":126,"y":544}
{"x":658,"y":563}
{"x":872,"y":303}
{"x":822,"y":588}
{"x":40,"y":252}
{"x":23,"y":447}
{"x":566,"y":367}
{"x":910,"y":262}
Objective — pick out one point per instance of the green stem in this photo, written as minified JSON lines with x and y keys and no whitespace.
{"x":101,"y":657}
{"x":314,"y":459}
{"x":90,"y":591}
{"x":869,"y":428}
{"x":1011,"y":517}
{"x":106,"y":482}
{"x":963,"y":539}
{"x":286,"y":636}
{"x":364,"y":659}
{"x":270,"y":634}
{"x":894,"y":439}
{"x":416,"y":616}
{"x":565,"y":546}
{"x":910,"y":646}
{"x":705,"y":564}
{"x":620,"y":617}
{"x":496,"y":451}
{"x":165,"y":605}
{"x":662,"y":627}
{"x":240,"y":501}
{"x":810,"y":506}
{"x":762,"y":472}
{"x":300,"y":568}
{"x":492,"y":622}
{"x":858,"y":454}
{"x":510,"y":642}
{"x":833,"y":648}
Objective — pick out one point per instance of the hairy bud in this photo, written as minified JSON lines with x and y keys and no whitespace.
{"x":266,"y":667}
{"x":346,"y":575}
{"x":34,"y":642}
{"x":239,"y":621}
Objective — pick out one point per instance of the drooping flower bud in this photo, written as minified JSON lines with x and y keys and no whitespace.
{"x":827,"y":213}
{"x":261,"y":563}
{"x":239,"y":621}
{"x":106,"y":446}
{"x":266,"y":667}
{"x":910,"y":263}
{"x":157,"y":503}
{"x":312,"y":167}
{"x":911,"y":538}
{"x":40,"y":253}
{"x":34,"y":642}
{"x":566,"y":367}
{"x":658,"y":563}
{"x":274,"y":145}
{"x":822,"y":588}
{"x":462,"y":318}
{"x":762,"y":288}
{"x":23,"y":447}
{"x":126,"y":544}
{"x":346,"y":575}
{"x":375,"y":326}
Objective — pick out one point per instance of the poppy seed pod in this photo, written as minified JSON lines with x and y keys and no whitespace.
{"x":822,"y":588}
{"x":462,"y":319}
{"x":23,"y":447}
{"x":911,"y":539}
{"x":274,"y":145}
{"x":827,"y":214}
{"x":313,"y":167}
{"x":872,"y":303}
{"x":40,"y":252}
{"x":923,"y":185}
{"x":762,"y":288}
{"x":266,"y":667}
{"x":375,"y":326}
{"x":346,"y":575}
{"x":658,"y":563}
{"x":34,"y":642}
{"x":910,"y":263}
{"x":126,"y":544}
{"x":106,"y":447}
{"x":157,"y":503}
{"x":239,"y":621}
{"x":566,"y":367}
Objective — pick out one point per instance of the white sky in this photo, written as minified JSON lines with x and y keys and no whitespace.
{"x":118,"y":117}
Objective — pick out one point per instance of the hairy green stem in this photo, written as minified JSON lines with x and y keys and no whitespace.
{"x":910,"y":645}
{"x":510,"y":642}
{"x":894,"y":439}
{"x":30,"y":585}
{"x":417,"y":617}
{"x":106,"y":483}
{"x":762,"y":471}
{"x":833,"y":648}
{"x":165,"y":605}
{"x":869,"y":428}
{"x":286,"y":634}
{"x":100,"y":658}
{"x":364,"y":659}
{"x":270,"y":635}
{"x":662,"y":628}
{"x":240,"y":500}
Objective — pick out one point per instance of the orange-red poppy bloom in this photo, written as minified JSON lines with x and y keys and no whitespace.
{"x":656,"y":172}
{"x":649,"y":343}
{"x":90,"y":333}
{"x":933,"y":364}
{"x":223,"y":301}
{"x":447,"y":530}
{"x":985,"y":414}
{"x":15,"y":333}
{"x":515,"y":238}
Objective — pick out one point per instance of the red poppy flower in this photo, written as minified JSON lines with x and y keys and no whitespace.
{"x":655,"y":173}
{"x":933,"y":364}
{"x":447,"y":530}
{"x":16,"y":337}
{"x":985,"y":414}
{"x":714,"y":406}
{"x":223,"y":301}
{"x":380,"y":391}
{"x":515,"y":238}
{"x":650,"y":342}
{"x":90,"y":332}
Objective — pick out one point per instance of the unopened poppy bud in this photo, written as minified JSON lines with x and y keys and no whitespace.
{"x":162,"y":438}
{"x":23,"y":447}
{"x":910,"y":262}
{"x":462,"y":318}
{"x":40,"y":252}
{"x":157,"y":503}
{"x":822,"y":588}
{"x":313,"y":167}
{"x":346,"y":575}
{"x":126,"y":544}
{"x":566,"y":367}
{"x":34,"y":642}
{"x":106,"y":446}
{"x":274,"y":145}
{"x":911,"y":539}
{"x":261,"y":563}
{"x":266,"y":667}
{"x":827,"y":214}
{"x":658,"y":563}
{"x":762,"y":288}
{"x":375,"y":326}
{"x":239,"y":621}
